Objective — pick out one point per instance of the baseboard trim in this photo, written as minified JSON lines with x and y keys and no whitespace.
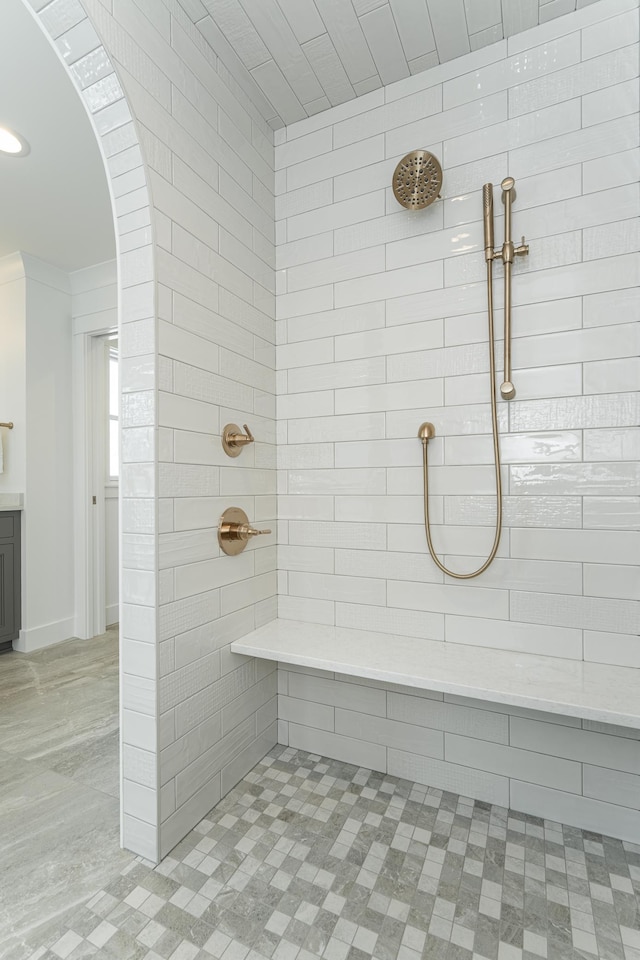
{"x":112,"y":614}
{"x":45,"y":636}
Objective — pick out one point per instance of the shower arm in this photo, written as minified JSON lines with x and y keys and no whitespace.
{"x":507,"y":255}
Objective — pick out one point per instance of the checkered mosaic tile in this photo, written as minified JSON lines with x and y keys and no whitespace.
{"x":309,"y":858}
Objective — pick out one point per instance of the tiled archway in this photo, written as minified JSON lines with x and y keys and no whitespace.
{"x":74,"y":37}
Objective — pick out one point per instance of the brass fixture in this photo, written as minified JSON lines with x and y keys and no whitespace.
{"x":233,"y":440}
{"x":425,"y":435}
{"x":487,"y":206}
{"x":235,"y":531}
{"x":417,"y":180}
{"x":9,"y":425}
{"x":507,"y":254}
{"x":427,"y":430}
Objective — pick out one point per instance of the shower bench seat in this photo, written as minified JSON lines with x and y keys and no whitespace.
{"x":589,"y":691}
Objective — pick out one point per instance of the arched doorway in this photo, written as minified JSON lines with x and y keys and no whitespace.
{"x":78,"y":46}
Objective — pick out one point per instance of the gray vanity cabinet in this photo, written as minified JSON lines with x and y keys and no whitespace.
{"x":9,"y":578}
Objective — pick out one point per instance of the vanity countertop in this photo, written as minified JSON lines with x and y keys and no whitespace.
{"x":11,"y":501}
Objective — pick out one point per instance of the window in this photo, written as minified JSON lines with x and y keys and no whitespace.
{"x":113,"y":452}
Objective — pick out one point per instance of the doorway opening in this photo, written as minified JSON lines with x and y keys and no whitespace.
{"x":104,"y":462}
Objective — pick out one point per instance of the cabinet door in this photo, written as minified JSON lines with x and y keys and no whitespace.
{"x":8,"y":620}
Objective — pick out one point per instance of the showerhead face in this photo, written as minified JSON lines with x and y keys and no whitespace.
{"x":417,"y":180}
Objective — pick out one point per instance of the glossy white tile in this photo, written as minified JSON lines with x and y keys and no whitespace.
{"x":612,"y":580}
{"x":621,"y":168}
{"x":572,"y":78}
{"x":439,"y":598}
{"x":617,"y":616}
{"x":395,"y":283}
{"x":616,"y":648}
{"x":349,"y":534}
{"x":390,"y":396}
{"x":330,"y":376}
{"x":610,"y":34}
{"x":620,"y":444}
{"x":607,"y":479}
{"x":513,"y":762}
{"x":348,"y":320}
{"x":526,"y":637}
{"x":560,"y":741}
{"x":612,"y":513}
{"x":612,"y":546}
{"x":514,"y":73}
{"x":603,"y":376}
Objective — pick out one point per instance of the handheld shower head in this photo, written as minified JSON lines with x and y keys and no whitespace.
{"x":417,"y":180}
{"x":487,"y":208}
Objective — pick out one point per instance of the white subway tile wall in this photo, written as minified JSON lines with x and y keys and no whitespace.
{"x":197,"y":340}
{"x":216,"y":346}
{"x":92,"y":69}
{"x":381,"y":325}
{"x":550,"y":766}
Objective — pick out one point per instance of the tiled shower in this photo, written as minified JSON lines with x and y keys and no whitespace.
{"x":284,"y":288}
{"x":381,"y":318}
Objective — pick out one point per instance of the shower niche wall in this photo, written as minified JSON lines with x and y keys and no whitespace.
{"x":382,"y":326}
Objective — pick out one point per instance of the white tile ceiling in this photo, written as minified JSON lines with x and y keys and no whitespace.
{"x":308,"y":55}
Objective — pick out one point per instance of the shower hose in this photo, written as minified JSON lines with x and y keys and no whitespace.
{"x":496,"y":457}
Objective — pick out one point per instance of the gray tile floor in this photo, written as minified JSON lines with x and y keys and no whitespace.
{"x":59,"y":812}
{"x":310,"y":858}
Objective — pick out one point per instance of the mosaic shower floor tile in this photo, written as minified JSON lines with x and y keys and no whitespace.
{"x":312,"y":858}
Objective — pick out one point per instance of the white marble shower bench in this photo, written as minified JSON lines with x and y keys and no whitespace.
{"x":571,"y":688}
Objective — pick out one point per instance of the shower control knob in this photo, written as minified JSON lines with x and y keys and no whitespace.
{"x":522,"y":250}
{"x":235,"y":531}
{"x":233,"y":440}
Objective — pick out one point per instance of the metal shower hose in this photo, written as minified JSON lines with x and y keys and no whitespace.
{"x":496,"y":456}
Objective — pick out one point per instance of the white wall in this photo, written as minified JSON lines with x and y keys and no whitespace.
{"x":582,"y":773}
{"x":216,"y":335}
{"x":94,"y":308}
{"x":94,"y":299}
{"x":36,"y":384}
{"x":382,"y":325}
{"x":48,"y":516}
{"x":197,"y":350}
{"x":41,"y":308}
{"x":112,"y":555}
{"x":12,"y":378}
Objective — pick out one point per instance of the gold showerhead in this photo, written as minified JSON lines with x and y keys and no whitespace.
{"x":417,"y":180}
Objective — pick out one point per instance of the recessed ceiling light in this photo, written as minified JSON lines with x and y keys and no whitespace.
{"x":12,"y":144}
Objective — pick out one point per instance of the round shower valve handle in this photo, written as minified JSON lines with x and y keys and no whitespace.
{"x":235,"y":531}
{"x":233,"y":440}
